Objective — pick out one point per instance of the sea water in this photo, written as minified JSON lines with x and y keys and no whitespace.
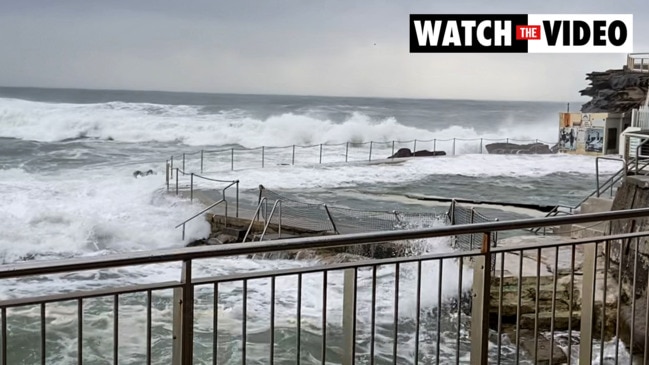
{"x":67,"y":190}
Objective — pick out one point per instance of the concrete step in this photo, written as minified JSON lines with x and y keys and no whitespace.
{"x":236,"y":232}
{"x":596,"y":205}
{"x":274,"y":236}
{"x":586,"y":230}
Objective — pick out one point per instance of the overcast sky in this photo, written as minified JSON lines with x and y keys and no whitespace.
{"x":342,"y":48}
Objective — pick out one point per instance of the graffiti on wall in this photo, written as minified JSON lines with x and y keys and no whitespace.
{"x":582,"y":132}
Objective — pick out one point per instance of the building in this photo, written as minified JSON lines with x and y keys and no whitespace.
{"x":616,"y":120}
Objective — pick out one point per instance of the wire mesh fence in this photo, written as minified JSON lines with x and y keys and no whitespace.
{"x":237,"y":158}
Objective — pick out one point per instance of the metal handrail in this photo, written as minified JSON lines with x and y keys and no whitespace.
{"x":203,"y":211}
{"x":638,"y":155}
{"x":255,"y":217}
{"x":278,"y":203}
{"x":623,"y":170}
{"x":352,"y":239}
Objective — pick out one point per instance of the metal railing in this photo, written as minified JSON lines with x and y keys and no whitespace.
{"x":191,"y":187}
{"x":225,"y":223}
{"x":419,"y":327}
{"x":638,"y":62}
{"x":278,"y":203}
{"x":328,"y":152}
{"x":255,"y":217}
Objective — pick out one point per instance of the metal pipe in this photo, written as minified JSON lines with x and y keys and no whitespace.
{"x":116,"y":329}
{"x":191,"y":187}
{"x":184,"y":162}
{"x":480,"y":145}
{"x":393,"y":149}
{"x":333,"y":224}
{"x":43,"y":338}
{"x":324,"y":317}
{"x":237,"y":208}
{"x":346,"y":150}
{"x":370,"y":158}
{"x":134,"y":258}
{"x":320,"y":154}
{"x":453,"y":146}
{"x":176,"y":181}
{"x":232,"y":159}
{"x":414,"y":146}
{"x":262,"y":156}
{"x":293,"y":156}
{"x":201,"y":161}
{"x":395,"y":334}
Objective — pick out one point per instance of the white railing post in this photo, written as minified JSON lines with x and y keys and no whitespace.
{"x":480,"y":303}
{"x":349,"y":316}
{"x":588,"y":303}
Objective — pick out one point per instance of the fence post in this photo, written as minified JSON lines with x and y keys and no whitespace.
{"x":333,"y":224}
{"x":346,"y":150}
{"x":393,"y":149}
{"x":507,"y":142}
{"x":471,"y":221}
{"x":191,"y":187}
{"x":414,"y":146}
{"x":187,"y":317}
{"x":237,"y":208}
{"x":201,"y":161}
{"x":172,"y":167}
{"x":293,"y":156}
{"x":167,"y":174}
{"x":262,"y":156}
{"x":434,"y":144}
{"x":480,"y":145}
{"x":176,"y":329}
{"x":176,"y":181}
{"x":587,"y":303}
{"x":453,"y":146}
{"x":371,"y":150}
{"x":480,"y":304}
{"x":349,"y":317}
{"x":320,"y":153}
{"x":184,"y":162}
{"x":232,"y":159}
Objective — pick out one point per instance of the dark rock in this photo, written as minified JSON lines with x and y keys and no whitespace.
{"x":200,"y":242}
{"x":634,"y":319}
{"x":516,"y":149}
{"x":406,"y":152}
{"x":226,"y":238}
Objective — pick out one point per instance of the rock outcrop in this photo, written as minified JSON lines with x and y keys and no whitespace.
{"x":615,"y":91}
{"x":515,"y":149}
{"x":406,"y":152}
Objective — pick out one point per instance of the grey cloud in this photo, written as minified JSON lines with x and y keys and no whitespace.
{"x":289,"y":47}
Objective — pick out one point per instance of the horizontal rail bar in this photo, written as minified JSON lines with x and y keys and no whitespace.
{"x":201,"y":212}
{"x":410,"y":259}
{"x":143,"y":258}
{"x":104,"y":292}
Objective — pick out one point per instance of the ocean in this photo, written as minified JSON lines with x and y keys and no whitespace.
{"x":67,"y":189}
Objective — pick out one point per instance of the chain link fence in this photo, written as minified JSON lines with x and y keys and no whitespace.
{"x":459,"y":214}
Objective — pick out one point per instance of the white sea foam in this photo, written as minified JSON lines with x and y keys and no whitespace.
{"x":140,"y":122}
{"x":85,"y":213}
{"x":348,"y":175}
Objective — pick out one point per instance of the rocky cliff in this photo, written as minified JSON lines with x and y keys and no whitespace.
{"x":615,"y":91}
